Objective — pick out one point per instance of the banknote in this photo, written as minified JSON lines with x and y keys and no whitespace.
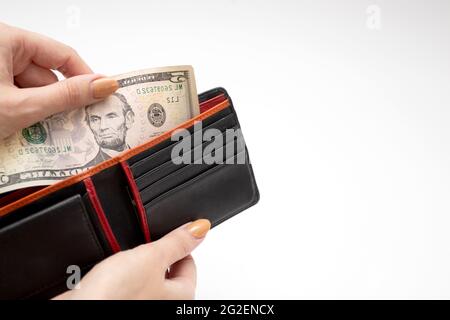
{"x":148,"y":103}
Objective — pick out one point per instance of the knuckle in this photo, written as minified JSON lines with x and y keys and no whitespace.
{"x":159,"y":253}
{"x":156,"y":254}
{"x":69,"y":54}
{"x":71,"y":93}
{"x":149,"y":252}
{"x":172,"y":247}
{"x":12,"y":36}
{"x":71,"y":51}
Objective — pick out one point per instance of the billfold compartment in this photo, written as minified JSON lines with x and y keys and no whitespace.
{"x":37,"y":250}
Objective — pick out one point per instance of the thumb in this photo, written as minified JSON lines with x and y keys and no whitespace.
{"x":179,"y":243}
{"x":68,"y":94}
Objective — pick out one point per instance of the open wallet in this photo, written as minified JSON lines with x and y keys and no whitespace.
{"x":134,"y":198}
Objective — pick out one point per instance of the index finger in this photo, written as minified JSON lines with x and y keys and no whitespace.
{"x":49,"y":53}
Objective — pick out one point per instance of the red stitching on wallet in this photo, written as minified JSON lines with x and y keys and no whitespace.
{"x":101,"y":214}
{"x":137,"y":199}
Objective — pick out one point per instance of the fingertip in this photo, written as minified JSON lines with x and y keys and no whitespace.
{"x":103,"y":87}
{"x":199,"y":228}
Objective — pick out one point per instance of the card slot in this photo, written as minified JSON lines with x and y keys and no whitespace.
{"x":173,"y":169}
{"x":171,"y":165}
{"x":216,"y":194}
{"x":182,"y":175}
{"x":158,"y":158}
{"x":138,"y":159}
{"x":156,"y":174}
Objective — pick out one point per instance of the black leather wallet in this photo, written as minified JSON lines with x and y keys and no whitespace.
{"x":134,"y":198}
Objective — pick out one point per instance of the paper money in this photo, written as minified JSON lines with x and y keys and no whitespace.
{"x":148,"y":103}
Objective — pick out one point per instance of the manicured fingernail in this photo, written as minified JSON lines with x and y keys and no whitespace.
{"x":104,"y":87}
{"x":199,"y":228}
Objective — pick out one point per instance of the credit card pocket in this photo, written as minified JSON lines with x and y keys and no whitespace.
{"x":177,"y":174}
{"x":163,"y":155}
{"x":195,"y":155}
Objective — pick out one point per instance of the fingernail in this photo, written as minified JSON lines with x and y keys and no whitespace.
{"x":199,"y":228}
{"x":104,"y":87}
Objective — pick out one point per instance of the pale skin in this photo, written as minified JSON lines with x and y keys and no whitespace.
{"x":30,"y":92}
{"x":141,"y":273}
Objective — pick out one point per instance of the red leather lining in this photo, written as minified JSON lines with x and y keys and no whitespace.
{"x":17,"y":195}
{"x":208,"y":104}
{"x":137,"y":199}
{"x":90,"y":188}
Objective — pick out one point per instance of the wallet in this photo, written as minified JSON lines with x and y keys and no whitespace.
{"x":134,"y":198}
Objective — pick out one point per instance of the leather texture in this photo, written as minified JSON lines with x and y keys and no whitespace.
{"x":137,"y":200}
{"x":36,"y":251}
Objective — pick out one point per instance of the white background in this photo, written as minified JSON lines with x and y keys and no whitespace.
{"x":347,"y":122}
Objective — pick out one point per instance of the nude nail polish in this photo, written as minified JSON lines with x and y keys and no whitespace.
{"x":199,"y":228}
{"x":103,"y":87}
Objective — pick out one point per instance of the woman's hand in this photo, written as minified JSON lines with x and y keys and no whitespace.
{"x":142,"y":272}
{"x":30,"y":91}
